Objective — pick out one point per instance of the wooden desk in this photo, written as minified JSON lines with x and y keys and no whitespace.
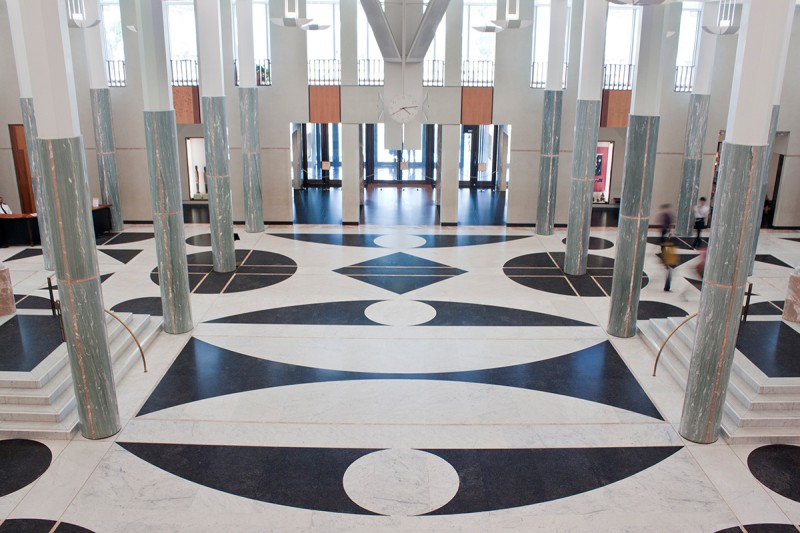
{"x":23,"y":229}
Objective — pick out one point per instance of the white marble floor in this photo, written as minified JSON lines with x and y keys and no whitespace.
{"x":327,"y":403}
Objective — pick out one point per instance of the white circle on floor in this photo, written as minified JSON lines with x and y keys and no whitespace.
{"x":400,"y":313}
{"x":401,"y":482}
{"x":400,"y":241}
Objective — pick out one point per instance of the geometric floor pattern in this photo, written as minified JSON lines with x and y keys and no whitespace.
{"x":400,"y":379}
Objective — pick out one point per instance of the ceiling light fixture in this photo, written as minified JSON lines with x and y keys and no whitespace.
{"x":76,"y":13}
{"x":726,"y":15}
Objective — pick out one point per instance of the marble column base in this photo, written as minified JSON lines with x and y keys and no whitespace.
{"x":736,"y":210}
{"x":220,"y":204}
{"x":548,"y":163}
{"x":696,"y":127}
{"x":106,"y":154}
{"x":7,"y":305}
{"x":584,"y":161}
{"x":251,"y":160}
{"x":43,"y":216}
{"x":67,"y":193}
{"x":634,"y":215}
{"x":161,"y":138}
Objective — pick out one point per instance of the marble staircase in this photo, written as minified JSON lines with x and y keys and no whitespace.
{"x":758,"y":409}
{"x":40,"y":404}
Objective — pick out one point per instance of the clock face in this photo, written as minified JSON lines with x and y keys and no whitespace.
{"x":403,"y":108}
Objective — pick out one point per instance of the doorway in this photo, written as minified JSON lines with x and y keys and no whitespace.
{"x":22,"y":167}
{"x":478,"y":160}
{"x":322,"y":155}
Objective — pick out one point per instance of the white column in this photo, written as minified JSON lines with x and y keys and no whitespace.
{"x":93,"y":42}
{"x":454,"y":20}
{"x":209,"y":47}
{"x":20,"y":54}
{"x":348,"y":10}
{"x":153,"y":56}
{"x":590,"y":80}
{"x":557,"y":45}
{"x":246,"y":60}
{"x":704,"y":68}
{"x":448,"y":209}
{"x":648,"y":74}
{"x":351,"y":177}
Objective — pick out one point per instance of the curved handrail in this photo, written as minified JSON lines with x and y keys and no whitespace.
{"x":664,"y":344}
{"x":124,"y":325}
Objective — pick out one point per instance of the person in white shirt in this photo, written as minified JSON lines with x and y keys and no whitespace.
{"x":701,"y":211}
{"x":4,"y":209}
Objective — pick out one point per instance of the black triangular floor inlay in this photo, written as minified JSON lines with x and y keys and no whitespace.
{"x":336,"y":239}
{"x":103,"y":278}
{"x":400,"y":272}
{"x":123,"y":256}
{"x":771,"y":260}
{"x":399,"y":259}
{"x":649,"y":310}
{"x":349,"y":313}
{"x":682,"y":258}
{"x":696,"y":283}
{"x":28,"y":252}
{"x":311,"y":478}
{"x":150,"y":305}
{"x":466,"y":314}
{"x":595,"y":374}
{"x":449,"y":241}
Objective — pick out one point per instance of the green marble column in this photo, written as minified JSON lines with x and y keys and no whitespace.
{"x":736,"y":208}
{"x":67,"y":194}
{"x":548,"y":163}
{"x":43,"y":217}
{"x":161,"y":138}
{"x":106,"y":154}
{"x":220,"y":206}
{"x":773,"y":130}
{"x":584,"y":161}
{"x":634,"y":215}
{"x":251,"y":159}
{"x":696,"y":127}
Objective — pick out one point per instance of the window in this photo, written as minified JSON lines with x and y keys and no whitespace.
{"x":478,"y":48}
{"x":541,"y":44}
{"x":687,"y":46}
{"x":111,"y":31}
{"x":370,"y":59}
{"x":433,"y":67}
{"x":621,"y":40}
{"x":324,"y":49}
{"x":182,"y":37}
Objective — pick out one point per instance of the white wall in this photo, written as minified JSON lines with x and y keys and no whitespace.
{"x":515,"y":103}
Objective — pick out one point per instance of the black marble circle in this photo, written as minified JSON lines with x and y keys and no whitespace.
{"x":544,"y":271}
{"x":762,"y":528}
{"x":22,"y":461}
{"x":255,"y":269}
{"x":649,"y":309}
{"x":150,"y":305}
{"x":777,"y":467}
{"x":596,"y":243}
{"x":204,"y":239}
{"x":36,"y":525}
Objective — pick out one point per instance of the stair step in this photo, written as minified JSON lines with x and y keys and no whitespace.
{"x":63,"y":430}
{"x":43,"y":396}
{"x":39,"y":413}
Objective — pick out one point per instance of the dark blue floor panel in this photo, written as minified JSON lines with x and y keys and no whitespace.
{"x":35,"y":525}
{"x":203,"y":371}
{"x":22,"y":461}
{"x":777,"y":466}
{"x":123,"y":256}
{"x":311,"y":478}
{"x":319,"y":314}
{"x":772,"y":346}
{"x":26,"y":341}
{"x":150,"y":305}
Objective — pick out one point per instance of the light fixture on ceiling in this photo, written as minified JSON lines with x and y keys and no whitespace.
{"x":512,"y":24}
{"x":488,"y":28}
{"x":726,"y":15}
{"x":76,"y":13}
{"x":314,"y":26}
{"x":290,"y":22}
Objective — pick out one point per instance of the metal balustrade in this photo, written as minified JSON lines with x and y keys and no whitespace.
{"x":477,"y":73}
{"x":433,"y":73}
{"x":184,"y":72}
{"x":263,"y":72}
{"x":539,"y":75}
{"x":115,"y":73}
{"x":618,"y":77}
{"x":370,"y":72}
{"x":684,"y":76}
{"x":324,"y":72}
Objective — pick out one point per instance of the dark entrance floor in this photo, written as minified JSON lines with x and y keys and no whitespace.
{"x":772,"y":346}
{"x":27,"y":340}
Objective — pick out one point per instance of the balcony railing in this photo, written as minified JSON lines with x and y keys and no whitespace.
{"x":539,"y":75}
{"x":184,"y":72}
{"x":683,"y":78}
{"x":433,"y":73}
{"x":263,"y":72}
{"x":477,"y":73}
{"x":115,"y":73}
{"x":324,"y":72}
{"x":618,"y":77}
{"x":370,"y":72}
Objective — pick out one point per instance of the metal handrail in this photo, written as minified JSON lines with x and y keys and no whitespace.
{"x":664,"y":344}
{"x":124,"y":325}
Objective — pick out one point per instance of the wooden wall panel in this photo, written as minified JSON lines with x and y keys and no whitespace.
{"x":615,"y":109}
{"x":186,"y":100}
{"x":22,"y":166}
{"x":476,"y":105}
{"x":324,"y":104}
